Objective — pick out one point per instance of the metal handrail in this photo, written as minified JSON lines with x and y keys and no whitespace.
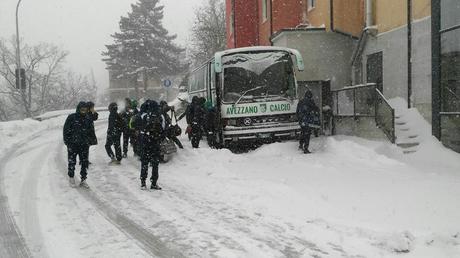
{"x":355,"y":87}
{"x":389,"y":132}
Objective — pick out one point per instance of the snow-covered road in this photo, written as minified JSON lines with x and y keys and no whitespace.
{"x":351,"y":198}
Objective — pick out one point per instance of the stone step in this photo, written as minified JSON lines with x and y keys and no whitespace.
{"x":406,"y":145}
{"x":404,"y":129}
{"x":412,"y":136}
{"x":409,"y":151}
{"x":400,"y":123}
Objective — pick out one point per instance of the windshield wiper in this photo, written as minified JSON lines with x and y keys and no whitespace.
{"x":246,"y":92}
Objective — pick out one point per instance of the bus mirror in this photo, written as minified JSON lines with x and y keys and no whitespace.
{"x":218,"y":63}
{"x":299,"y":60}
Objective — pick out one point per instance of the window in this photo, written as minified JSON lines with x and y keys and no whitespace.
{"x":311,"y":4}
{"x":265,"y":10}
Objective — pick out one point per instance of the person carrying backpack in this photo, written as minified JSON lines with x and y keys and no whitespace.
{"x":114,"y":131}
{"x":307,"y":115}
{"x":152,"y":133}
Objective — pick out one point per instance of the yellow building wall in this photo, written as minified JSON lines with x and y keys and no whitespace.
{"x":319,"y":15}
{"x":391,"y":14}
{"x":349,"y":16}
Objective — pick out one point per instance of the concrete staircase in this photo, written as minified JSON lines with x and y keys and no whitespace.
{"x":406,"y":138}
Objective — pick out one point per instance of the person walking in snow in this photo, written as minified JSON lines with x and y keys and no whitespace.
{"x":127,"y":114}
{"x":196,"y":119}
{"x":114,"y":131}
{"x":135,"y":124}
{"x":77,"y":134}
{"x":306,"y":114}
{"x":153,"y":126}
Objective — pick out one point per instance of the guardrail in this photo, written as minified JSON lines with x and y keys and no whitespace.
{"x":365,"y":100}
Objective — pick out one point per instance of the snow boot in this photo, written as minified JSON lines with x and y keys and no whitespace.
{"x":306,"y":151}
{"x":125,"y":155}
{"x":155,"y":187}
{"x":143,"y":185}
{"x":83,"y":184}
{"x":72,"y":182}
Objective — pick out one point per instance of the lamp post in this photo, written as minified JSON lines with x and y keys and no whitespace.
{"x":18,"y":50}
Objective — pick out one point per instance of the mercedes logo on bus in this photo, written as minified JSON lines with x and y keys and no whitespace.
{"x":247,"y":121}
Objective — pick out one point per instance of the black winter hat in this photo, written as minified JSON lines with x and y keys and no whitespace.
{"x":81,"y":105}
{"x":113,"y":107}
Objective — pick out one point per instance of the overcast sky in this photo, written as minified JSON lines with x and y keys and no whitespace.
{"x":83,"y":27}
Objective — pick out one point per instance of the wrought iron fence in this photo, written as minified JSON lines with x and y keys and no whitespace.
{"x":385,"y":116}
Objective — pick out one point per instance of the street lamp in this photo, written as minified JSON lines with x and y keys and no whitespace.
{"x":18,"y":51}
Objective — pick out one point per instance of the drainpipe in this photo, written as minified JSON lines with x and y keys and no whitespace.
{"x":331,"y":5}
{"x":409,"y":53}
{"x":369,"y":13}
{"x":271,"y":20}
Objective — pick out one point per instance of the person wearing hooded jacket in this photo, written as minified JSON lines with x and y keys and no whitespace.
{"x":152,"y":132}
{"x":114,"y":131}
{"x":77,"y":137}
{"x":306,"y":113}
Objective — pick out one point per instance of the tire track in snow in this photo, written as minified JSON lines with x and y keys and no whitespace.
{"x":144,"y":238}
{"x":12,"y":243}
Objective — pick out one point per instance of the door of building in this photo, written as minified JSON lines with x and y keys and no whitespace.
{"x":374,"y":70}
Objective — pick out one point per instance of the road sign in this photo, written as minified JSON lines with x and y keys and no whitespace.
{"x":167,"y":83}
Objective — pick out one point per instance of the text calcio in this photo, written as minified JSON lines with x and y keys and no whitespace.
{"x":258,"y":109}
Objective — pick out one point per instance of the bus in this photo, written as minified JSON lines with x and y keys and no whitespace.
{"x":253,"y":92}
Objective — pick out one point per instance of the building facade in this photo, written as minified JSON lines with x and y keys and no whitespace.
{"x":350,"y":42}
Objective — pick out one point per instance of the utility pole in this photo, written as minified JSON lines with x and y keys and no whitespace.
{"x":20,"y":78}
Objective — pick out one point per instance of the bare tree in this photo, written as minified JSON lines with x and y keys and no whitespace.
{"x":52,"y":87}
{"x":208,"y":31}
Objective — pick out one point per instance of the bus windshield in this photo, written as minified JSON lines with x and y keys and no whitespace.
{"x":258,"y":76}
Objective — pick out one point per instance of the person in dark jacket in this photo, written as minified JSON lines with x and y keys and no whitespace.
{"x":135,"y":124}
{"x":306,"y":113}
{"x":196,"y":119}
{"x":77,"y":138}
{"x":128,"y":136}
{"x":114,"y":131}
{"x":93,"y":116}
{"x":152,"y":135}
{"x":169,"y":128}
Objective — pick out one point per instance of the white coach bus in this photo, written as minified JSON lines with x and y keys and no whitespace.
{"x":253,"y":91}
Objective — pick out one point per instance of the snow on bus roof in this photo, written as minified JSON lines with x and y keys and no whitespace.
{"x":253,"y":49}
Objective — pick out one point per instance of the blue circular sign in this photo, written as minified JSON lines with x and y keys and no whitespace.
{"x":167,"y":83}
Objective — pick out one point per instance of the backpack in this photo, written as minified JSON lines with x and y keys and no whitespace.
{"x":153,"y":125}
